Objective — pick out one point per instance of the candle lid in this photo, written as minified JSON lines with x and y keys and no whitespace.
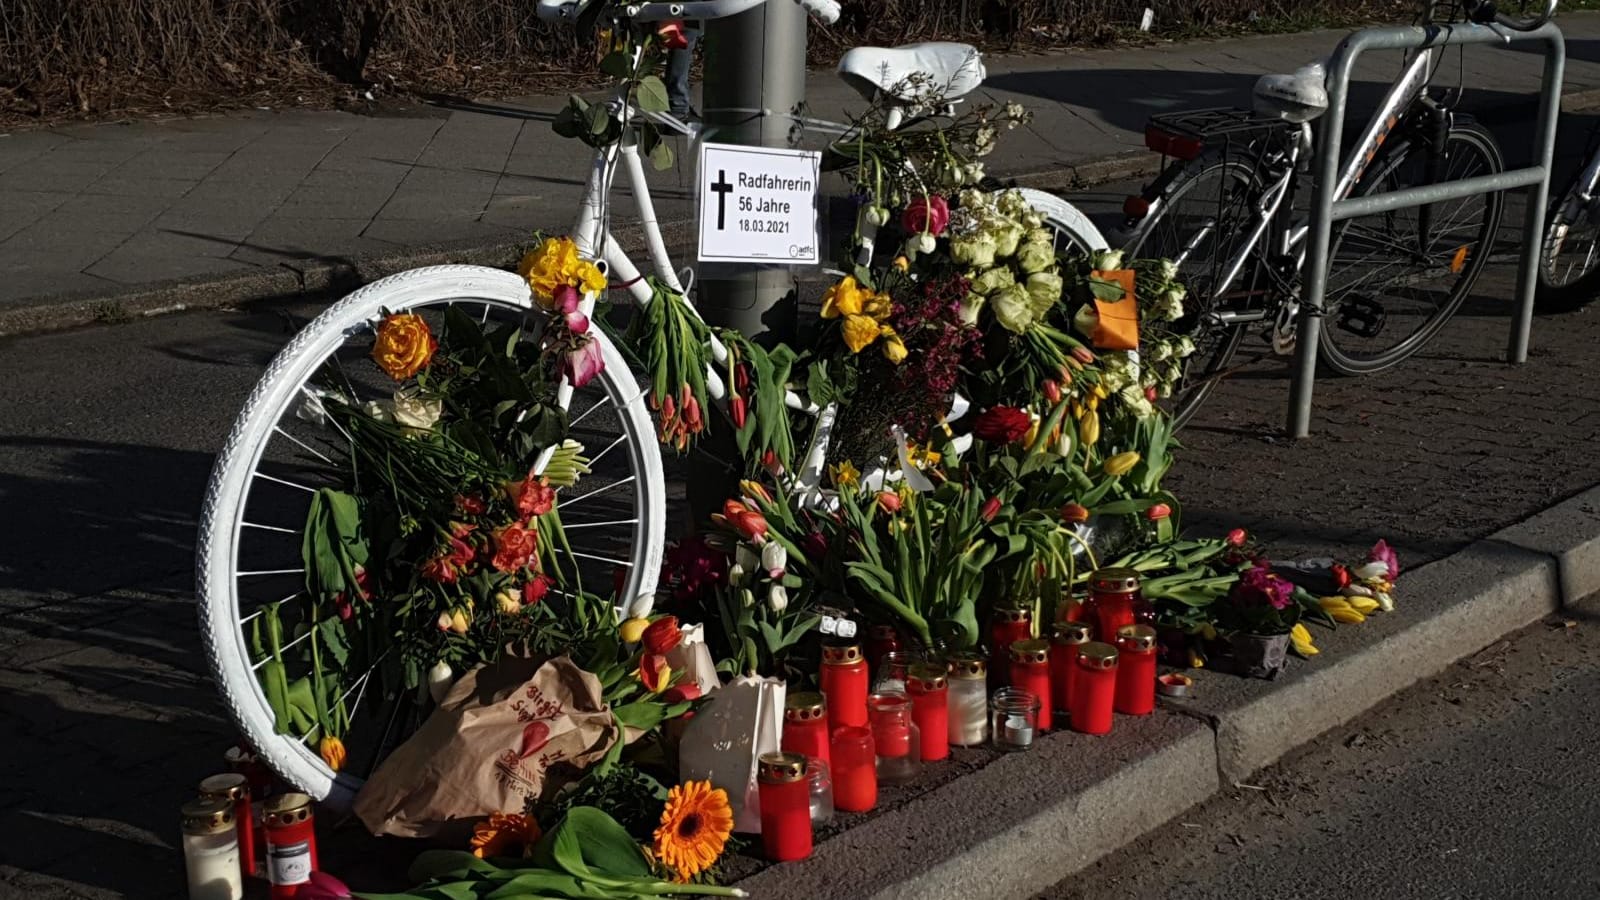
{"x":924,"y":677}
{"x":286,"y":809}
{"x":1114,"y":581}
{"x":229,"y":786}
{"x":1071,"y":633}
{"x":780,"y":768}
{"x":1010,"y":614}
{"x":1033,"y":650}
{"x":1096,"y":655}
{"x":1136,"y":637}
{"x":207,"y":816}
{"x":840,"y":654}
{"x":804,"y":706}
{"x":966,"y":664}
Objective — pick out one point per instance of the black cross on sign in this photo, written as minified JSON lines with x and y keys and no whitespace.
{"x":723,"y":188}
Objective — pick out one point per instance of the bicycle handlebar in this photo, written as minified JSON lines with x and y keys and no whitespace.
{"x":827,"y":11}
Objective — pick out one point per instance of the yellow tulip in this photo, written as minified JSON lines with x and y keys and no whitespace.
{"x":859,"y":332}
{"x":1122,"y":463}
{"x":633,"y":630}
{"x":1301,"y":637}
{"x":893,"y":348}
{"x":459,"y":621}
{"x":1341,"y":610}
{"x":1364,"y":605}
{"x":509,"y":604}
{"x":332,"y":751}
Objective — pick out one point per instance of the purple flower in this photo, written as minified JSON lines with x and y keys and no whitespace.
{"x":1259,"y":587}
{"x":583,"y":364}
{"x":1382,"y":552}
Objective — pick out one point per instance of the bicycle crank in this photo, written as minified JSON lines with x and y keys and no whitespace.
{"x":1361,"y":317}
{"x":1284,"y":328}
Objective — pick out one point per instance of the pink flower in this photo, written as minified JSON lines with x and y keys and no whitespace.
{"x":567,"y":299}
{"x":323,"y":886}
{"x":889,"y":501}
{"x":583,"y":364}
{"x":1237,"y":537}
{"x":1382,"y":552}
{"x":1259,"y":587}
{"x":930,"y":214}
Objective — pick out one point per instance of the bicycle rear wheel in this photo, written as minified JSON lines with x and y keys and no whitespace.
{"x":278,"y":455}
{"x":1200,"y":222}
{"x":1569,"y":260}
{"x":1072,"y":228}
{"x":1389,"y":289}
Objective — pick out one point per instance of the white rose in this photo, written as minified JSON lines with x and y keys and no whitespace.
{"x":1160,"y":351}
{"x":1185,"y":346}
{"x":382,"y":410}
{"x":420,"y":413}
{"x":1136,"y":401}
{"x":970,"y":307}
{"x":973,"y":172}
{"x":439,"y":680}
{"x":1106,"y":260}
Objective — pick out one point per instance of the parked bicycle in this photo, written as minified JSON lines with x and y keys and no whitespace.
{"x":1569,"y":260}
{"x":283,"y":446}
{"x":1225,"y":210}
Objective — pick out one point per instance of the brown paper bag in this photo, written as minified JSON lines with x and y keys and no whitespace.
{"x":503,"y":735}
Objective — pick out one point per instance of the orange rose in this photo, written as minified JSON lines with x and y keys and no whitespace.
{"x":513,"y":547}
{"x":404,"y":346}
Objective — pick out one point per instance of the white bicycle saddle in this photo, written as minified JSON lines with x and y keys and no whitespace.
{"x":955,"y":69}
{"x":1297,"y":97}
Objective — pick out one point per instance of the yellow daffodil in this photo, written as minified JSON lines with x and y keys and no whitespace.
{"x":845,"y":474}
{"x":922,"y":456}
{"x":859,"y":332}
{"x":843,"y":299}
{"x":893,"y":347}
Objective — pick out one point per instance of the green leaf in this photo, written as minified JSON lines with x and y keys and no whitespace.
{"x":598,"y":119}
{"x":617,"y":64}
{"x":588,"y":842}
{"x":644,"y":714}
{"x":566,"y":122}
{"x":431,"y":864}
{"x":651,"y":94}
{"x":333,"y":637}
{"x":661,"y":156}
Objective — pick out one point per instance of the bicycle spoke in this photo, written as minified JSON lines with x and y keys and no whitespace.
{"x":269,"y":527}
{"x":285,"y":482}
{"x":303,"y":445}
{"x":566,"y":526}
{"x":597,"y":491}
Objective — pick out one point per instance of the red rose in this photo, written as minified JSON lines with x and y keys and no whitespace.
{"x":1001,"y":425}
{"x":930,"y":214}
{"x":439,"y":569}
{"x":662,"y":635}
{"x":535,"y":496}
{"x":682,"y":693}
{"x":513,"y":547}
{"x":535,"y":589}
{"x":653,"y":672}
{"x":461,"y":553}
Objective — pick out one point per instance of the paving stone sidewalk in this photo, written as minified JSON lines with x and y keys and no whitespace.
{"x":93,"y":210}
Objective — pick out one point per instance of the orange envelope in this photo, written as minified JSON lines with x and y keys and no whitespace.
{"x":1119,"y":319}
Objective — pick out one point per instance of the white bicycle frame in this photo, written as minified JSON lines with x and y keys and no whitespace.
{"x":594,"y":239}
{"x":1405,"y":90}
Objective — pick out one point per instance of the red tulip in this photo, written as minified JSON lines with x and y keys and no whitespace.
{"x":653,"y":672}
{"x":1341,"y":576}
{"x":681,"y":693}
{"x":1158,"y":512}
{"x":1150,"y":394}
{"x":1052,"y":390}
{"x":1083,"y":355}
{"x":1074,"y":512}
{"x":889,"y":501}
{"x":662,"y":635}
{"x":1238,"y":537}
{"x":991,"y":508}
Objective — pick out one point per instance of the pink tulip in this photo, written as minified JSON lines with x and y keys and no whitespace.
{"x":583,"y":364}
{"x":323,"y":886}
{"x":1382,"y":552}
{"x":577,"y":322}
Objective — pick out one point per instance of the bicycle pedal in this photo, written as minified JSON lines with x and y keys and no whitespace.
{"x":1361,"y":317}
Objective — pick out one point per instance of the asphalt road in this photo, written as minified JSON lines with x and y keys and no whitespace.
{"x":1480,"y":783}
{"x":108,"y":439}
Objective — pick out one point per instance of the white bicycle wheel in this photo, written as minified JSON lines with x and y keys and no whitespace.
{"x":249,"y":543}
{"x":1073,"y":229}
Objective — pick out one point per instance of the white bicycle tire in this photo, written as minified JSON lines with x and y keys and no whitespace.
{"x":1066,"y":218}
{"x":218,"y":602}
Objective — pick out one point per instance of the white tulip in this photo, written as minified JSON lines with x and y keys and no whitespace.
{"x":736,"y":574}
{"x":1372,"y":570}
{"x":440,"y":677}
{"x":774,"y":558}
{"x":642,"y":606}
{"x":777,"y":598}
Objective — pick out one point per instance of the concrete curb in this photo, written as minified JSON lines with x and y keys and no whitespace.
{"x":1029,"y":820}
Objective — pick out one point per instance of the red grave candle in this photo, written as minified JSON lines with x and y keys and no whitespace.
{"x":234,"y":787}
{"x":291,"y":844}
{"x":930,"y":709}
{"x":1114,"y":601}
{"x":785,"y":806}
{"x":844,"y":684}
{"x":881,"y":639}
{"x":1095,"y":688}
{"x":1030,"y":671}
{"x":1136,"y":670}
{"x":855,"y":769}
{"x":1064,"y":644}
{"x":805,"y":726}
{"x":1006,"y":626}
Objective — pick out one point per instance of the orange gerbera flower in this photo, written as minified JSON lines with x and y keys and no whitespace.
{"x":505,"y":834}
{"x":694,"y":828}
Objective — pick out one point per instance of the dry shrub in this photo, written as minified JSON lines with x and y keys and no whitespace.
{"x":84,"y":58}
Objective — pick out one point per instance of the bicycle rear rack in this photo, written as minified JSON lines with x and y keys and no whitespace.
{"x":1325,"y":210}
{"x":1184,"y":134}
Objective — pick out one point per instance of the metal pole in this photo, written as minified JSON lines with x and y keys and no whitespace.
{"x":1533,"y":224}
{"x":755,"y":79}
{"x":1309,"y":330}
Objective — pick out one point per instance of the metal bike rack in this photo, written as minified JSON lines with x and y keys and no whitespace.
{"x":1325,"y":210}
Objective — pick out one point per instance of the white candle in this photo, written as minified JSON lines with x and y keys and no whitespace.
{"x":211,"y":851}
{"x":969,"y":711}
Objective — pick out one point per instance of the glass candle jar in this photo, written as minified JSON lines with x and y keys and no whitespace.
{"x":1030,"y":671}
{"x":1016,"y":718}
{"x":1006,"y":625}
{"x":844,"y":684}
{"x":820,"y":781}
{"x":881,"y":639}
{"x":890,"y":675}
{"x":805,"y":725}
{"x":1094,"y":690}
{"x":1064,"y":644}
{"x":930,"y":709}
{"x":291,"y":843}
{"x":235,"y":788}
{"x":211,"y":850}
{"x":855,"y":769}
{"x":1136,"y":670}
{"x":1114,"y":601}
{"x":969,"y":699}
{"x":785,"y":806}
{"x":895,"y":737}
